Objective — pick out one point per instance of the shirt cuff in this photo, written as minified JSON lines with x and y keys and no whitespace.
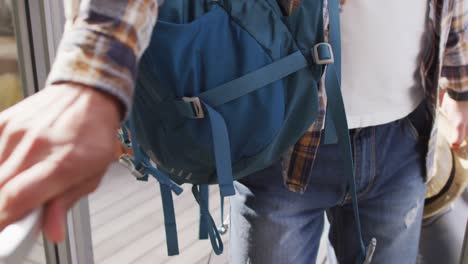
{"x":455,"y":78}
{"x":99,"y":61}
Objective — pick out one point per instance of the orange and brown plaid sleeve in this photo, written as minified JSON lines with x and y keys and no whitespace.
{"x":102,"y":45}
{"x":455,"y":61}
{"x":289,"y":5}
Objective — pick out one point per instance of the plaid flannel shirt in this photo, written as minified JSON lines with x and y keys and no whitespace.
{"x":102,"y":43}
{"x":448,"y":23}
{"x":105,"y":39}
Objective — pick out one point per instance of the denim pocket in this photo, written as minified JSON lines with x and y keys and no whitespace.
{"x":419,"y":122}
{"x":411,"y":129}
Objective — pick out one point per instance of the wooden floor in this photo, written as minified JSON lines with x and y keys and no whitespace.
{"x":127,"y":225}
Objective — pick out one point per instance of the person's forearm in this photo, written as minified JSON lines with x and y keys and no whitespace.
{"x":102,"y":45}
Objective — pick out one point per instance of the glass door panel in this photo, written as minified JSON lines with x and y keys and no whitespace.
{"x":12,"y":89}
{"x":10,"y":81}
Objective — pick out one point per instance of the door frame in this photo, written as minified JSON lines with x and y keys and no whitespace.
{"x":39,"y":25}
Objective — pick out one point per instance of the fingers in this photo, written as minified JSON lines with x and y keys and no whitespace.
{"x":441,"y":96}
{"x":54,"y":220}
{"x":458,"y":135}
{"x":34,"y":187}
{"x":55,"y":213}
{"x":457,"y":114}
{"x":24,"y":193}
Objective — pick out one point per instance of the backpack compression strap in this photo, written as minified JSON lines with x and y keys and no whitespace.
{"x":246,"y":84}
{"x":141,"y":166}
{"x":338,"y":115}
{"x":204,"y":222}
{"x":213,"y":232}
{"x":193,"y":107}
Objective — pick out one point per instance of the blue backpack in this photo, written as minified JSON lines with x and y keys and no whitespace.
{"x":224,"y":89}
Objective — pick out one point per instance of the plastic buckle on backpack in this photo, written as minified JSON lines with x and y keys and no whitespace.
{"x":196,"y":106}
{"x":323,"y":53}
{"x":123,"y":141}
{"x":128,"y":162}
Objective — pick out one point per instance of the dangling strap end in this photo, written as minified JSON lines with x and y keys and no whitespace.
{"x":227,"y":190}
{"x":213,"y":233}
{"x":172,"y":240}
{"x":204,"y":219}
{"x":169,"y":221}
{"x":163,"y":179}
{"x":176,"y":189}
{"x":143,"y":179}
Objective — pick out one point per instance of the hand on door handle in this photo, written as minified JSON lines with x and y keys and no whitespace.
{"x":55,"y":147}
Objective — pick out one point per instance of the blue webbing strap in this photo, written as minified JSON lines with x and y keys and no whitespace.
{"x":230,"y":91}
{"x":125,"y":135}
{"x":143,"y":164}
{"x":162,"y":178}
{"x":166,"y":186}
{"x":130,"y":123}
{"x":213,"y":233}
{"x":345,"y":147}
{"x":329,"y":133}
{"x":203,"y":229}
{"x":338,"y":114}
{"x":137,"y":153}
{"x":255,"y":80}
{"x":222,"y":151}
{"x":248,"y":83}
{"x":169,"y":221}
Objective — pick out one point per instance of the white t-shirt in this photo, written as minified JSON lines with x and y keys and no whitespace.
{"x":381,"y":40}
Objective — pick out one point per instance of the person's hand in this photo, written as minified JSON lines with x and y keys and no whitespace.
{"x":457,"y":113}
{"x":55,"y":146}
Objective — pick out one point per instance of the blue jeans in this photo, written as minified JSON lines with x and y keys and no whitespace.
{"x":272,"y":225}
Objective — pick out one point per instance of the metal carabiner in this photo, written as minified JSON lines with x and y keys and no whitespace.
{"x":125,"y":142}
{"x":128,"y":162}
{"x":224,"y":227}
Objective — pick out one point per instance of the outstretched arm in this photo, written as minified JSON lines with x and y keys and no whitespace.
{"x":56,"y":145}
